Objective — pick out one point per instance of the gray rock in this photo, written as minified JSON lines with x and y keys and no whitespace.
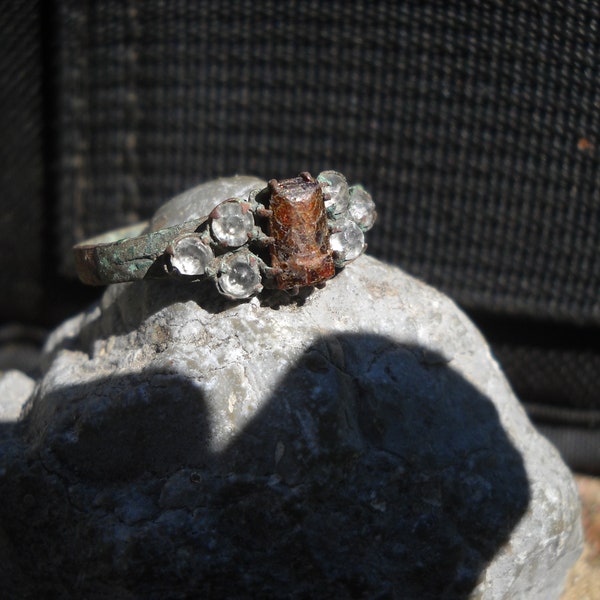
{"x":357,"y":441}
{"x":15,"y":390}
{"x":200,"y":200}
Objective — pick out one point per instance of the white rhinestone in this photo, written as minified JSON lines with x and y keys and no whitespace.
{"x":347,"y":242}
{"x":190,"y":255}
{"x":232,"y":223}
{"x":362,"y":207}
{"x":336,"y":186}
{"x":239,"y":277}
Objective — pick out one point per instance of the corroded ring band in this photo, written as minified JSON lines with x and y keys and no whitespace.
{"x":292,"y":234}
{"x":127,"y":253}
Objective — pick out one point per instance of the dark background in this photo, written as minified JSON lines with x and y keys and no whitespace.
{"x":475,"y":125}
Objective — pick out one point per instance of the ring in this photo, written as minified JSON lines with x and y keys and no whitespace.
{"x":293,"y":233}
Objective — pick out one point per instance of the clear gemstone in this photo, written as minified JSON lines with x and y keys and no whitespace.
{"x":190,"y":255}
{"x":239,"y":276}
{"x":347,"y":242}
{"x":232,"y":223}
{"x":336,"y":186}
{"x":362,"y":207}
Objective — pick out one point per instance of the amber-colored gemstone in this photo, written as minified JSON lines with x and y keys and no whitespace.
{"x":300,"y":252}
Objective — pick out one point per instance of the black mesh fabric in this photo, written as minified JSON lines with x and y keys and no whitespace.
{"x":21,"y":167}
{"x":475,"y":125}
{"x":546,"y":376}
{"x":555,"y":370}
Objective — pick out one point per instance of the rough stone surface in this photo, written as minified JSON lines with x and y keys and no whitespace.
{"x":355,"y":442}
{"x":15,"y":390}
{"x":200,"y":200}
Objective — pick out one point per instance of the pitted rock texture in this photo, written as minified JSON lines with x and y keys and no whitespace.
{"x":358,"y":441}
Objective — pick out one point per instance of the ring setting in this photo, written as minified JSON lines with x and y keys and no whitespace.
{"x":294,"y":233}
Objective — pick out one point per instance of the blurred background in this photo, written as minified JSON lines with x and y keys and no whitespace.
{"x":476,"y":127}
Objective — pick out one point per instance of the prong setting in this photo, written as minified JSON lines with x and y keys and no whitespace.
{"x":309,"y":228}
{"x":295,"y":233}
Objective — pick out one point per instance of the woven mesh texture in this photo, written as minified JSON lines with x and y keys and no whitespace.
{"x":475,"y":125}
{"x":21,"y":217}
{"x":546,"y":376}
{"x":580,"y":447}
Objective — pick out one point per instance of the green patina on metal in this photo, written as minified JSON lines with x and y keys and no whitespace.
{"x":126,"y":254}
{"x":294,"y":233}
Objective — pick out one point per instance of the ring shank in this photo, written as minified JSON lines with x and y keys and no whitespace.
{"x":126,"y":254}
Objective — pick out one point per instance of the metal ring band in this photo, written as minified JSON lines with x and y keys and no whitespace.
{"x":126,"y":254}
{"x":294,"y":235}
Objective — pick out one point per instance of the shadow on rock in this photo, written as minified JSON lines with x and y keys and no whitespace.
{"x":373,"y":471}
